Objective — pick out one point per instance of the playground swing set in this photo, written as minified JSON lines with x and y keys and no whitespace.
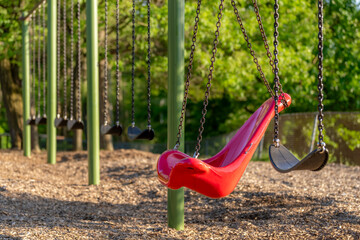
{"x":115,"y":129}
{"x":74,"y":122}
{"x":217,"y":176}
{"x":31,"y":119}
{"x":38,"y":20}
{"x":133,"y":132}
{"x":214,"y":177}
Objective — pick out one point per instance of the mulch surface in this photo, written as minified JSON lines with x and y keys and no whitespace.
{"x":42,"y":201}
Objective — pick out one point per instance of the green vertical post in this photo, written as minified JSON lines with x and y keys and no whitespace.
{"x":93,"y":141}
{"x":26,"y":86}
{"x":51,"y":81}
{"x":176,"y":18}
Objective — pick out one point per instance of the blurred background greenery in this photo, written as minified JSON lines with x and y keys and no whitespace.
{"x":237,"y":90}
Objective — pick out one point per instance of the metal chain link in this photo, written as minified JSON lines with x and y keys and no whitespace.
{"x":149,"y":70}
{"x":34,"y":61}
{"x":117,"y":66}
{"x":263,"y":35}
{"x":58,"y":58}
{"x":276,"y":73}
{"x":321,"y":143}
{"x":65,"y":65}
{"x":106,"y":67}
{"x":210,"y":76}
{"x":267,"y":48}
{"x":44,"y":60}
{"x":188,"y":76}
{"x":252,"y":52}
{"x":133,"y":68}
{"x":78,"y":102}
{"x":71,"y":60}
{"x":39,"y":62}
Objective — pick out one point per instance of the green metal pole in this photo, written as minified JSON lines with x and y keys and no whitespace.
{"x":51,"y":82}
{"x":93,"y":141}
{"x":176,"y":18}
{"x":26,"y":86}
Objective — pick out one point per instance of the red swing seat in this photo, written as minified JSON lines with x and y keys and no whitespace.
{"x":217,"y":176}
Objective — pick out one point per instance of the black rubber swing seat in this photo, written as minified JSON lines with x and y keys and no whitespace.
{"x":60,"y":122}
{"x":135,"y":133}
{"x":31,"y":121}
{"x":75,"y":124}
{"x":111,"y":130}
{"x":41,"y":120}
{"x":284,"y":161}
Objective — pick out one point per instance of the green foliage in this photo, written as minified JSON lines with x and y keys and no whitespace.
{"x":342,"y":131}
{"x":351,"y":137}
{"x":3,"y":124}
{"x":235,"y":74}
{"x":237,"y":89}
{"x":10,"y":29}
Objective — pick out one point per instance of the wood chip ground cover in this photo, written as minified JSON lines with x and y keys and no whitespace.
{"x":42,"y":201}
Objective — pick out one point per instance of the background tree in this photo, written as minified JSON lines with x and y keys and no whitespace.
{"x":10,"y":80}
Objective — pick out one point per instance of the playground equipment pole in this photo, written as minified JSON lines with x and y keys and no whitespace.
{"x":51,"y":83}
{"x":93,"y":142}
{"x":26,"y":86}
{"x":176,"y":18}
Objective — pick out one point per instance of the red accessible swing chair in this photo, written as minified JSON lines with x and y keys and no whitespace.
{"x":217,"y":176}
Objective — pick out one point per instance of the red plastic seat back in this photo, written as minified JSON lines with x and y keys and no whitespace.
{"x":252,"y":131}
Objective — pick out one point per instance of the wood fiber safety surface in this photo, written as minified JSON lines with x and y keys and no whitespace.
{"x":42,"y":201}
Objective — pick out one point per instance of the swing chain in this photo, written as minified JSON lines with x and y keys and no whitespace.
{"x":44,"y":60}
{"x":39,"y":61}
{"x":276,"y":75}
{"x":188,"y":76}
{"x":133,"y":68}
{"x":34,"y":63}
{"x":106,"y":67}
{"x":210,"y":76}
{"x":263,"y":35}
{"x":58,"y":59}
{"x":72,"y":60}
{"x":252,"y":52}
{"x":149,"y":70}
{"x":117,"y":66}
{"x":65,"y":65}
{"x":321,"y":144}
{"x":267,"y":48}
{"x":78,"y":110}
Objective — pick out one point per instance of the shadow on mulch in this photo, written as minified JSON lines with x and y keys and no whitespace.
{"x":74,"y":157}
{"x":9,"y":237}
{"x":263,"y":208}
{"x":257,"y":208}
{"x":51,"y":212}
{"x":129,"y":172}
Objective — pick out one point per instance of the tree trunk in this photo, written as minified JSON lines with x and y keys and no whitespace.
{"x":12,"y":98}
{"x":105,"y":140}
{"x":35,"y":139}
{"x":78,"y":140}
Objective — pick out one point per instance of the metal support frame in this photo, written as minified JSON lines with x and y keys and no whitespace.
{"x":93,"y":129}
{"x":51,"y":81}
{"x":176,"y":19}
{"x":26,"y":87}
